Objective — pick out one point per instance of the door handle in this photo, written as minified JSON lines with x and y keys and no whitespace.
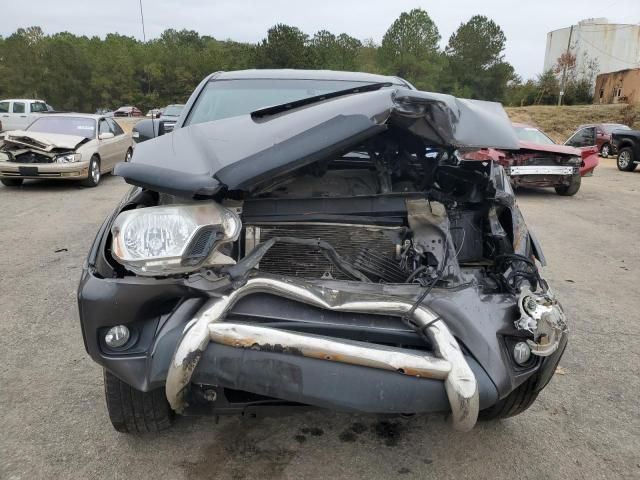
{"x":23,"y":116}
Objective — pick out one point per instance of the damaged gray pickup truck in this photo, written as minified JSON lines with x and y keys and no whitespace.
{"x":315,"y":238}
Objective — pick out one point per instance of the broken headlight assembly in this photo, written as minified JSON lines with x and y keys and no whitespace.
{"x":166,"y":240}
{"x":69,"y":158}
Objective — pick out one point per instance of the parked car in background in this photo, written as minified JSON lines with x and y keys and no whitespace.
{"x":153,"y":113}
{"x":603,"y":135}
{"x":150,"y":128}
{"x":105,"y":112}
{"x":312,"y":238}
{"x":18,"y":113}
{"x":170,"y":115}
{"x":127,"y":112}
{"x":64,"y":146}
{"x":540,"y":162}
{"x":627,"y":144}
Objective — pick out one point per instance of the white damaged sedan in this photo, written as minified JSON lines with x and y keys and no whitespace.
{"x":68,"y":146}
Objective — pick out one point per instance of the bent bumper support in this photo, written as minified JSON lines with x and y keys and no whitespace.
{"x":449,"y":365}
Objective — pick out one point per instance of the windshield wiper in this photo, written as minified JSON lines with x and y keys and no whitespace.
{"x":273,"y":110}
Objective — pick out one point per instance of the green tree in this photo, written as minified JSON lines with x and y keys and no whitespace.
{"x":328,"y":51}
{"x":348,"y":48}
{"x":284,"y":47}
{"x":548,"y":88}
{"x":410,"y":49}
{"x":476,"y":66}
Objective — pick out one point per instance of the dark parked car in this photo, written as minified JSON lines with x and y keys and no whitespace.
{"x":603,"y":135}
{"x":151,"y":128}
{"x":627,"y":144}
{"x":314,"y":238}
{"x":127,"y":112}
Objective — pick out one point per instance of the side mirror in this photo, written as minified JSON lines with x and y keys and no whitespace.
{"x":145,"y":130}
{"x":105,"y":136}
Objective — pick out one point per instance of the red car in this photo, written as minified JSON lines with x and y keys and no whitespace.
{"x":127,"y":112}
{"x":541,"y":162}
{"x":603,"y":135}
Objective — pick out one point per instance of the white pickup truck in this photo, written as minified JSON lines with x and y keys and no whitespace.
{"x":18,"y":113}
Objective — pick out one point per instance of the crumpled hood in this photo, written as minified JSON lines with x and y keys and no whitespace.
{"x":562,"y":149}
{"x":44,"y":141}
{"x":246,"y":151}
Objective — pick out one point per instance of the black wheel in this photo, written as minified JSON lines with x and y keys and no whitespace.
{"x":605,"y":150}
{"x":132,"y":411}
{"x":625,"y":160}
{"x":94,"y":173}
{"x":572,"y":188}
{"x":128,"y":155}
{"x":11,"y":182}
{"x":513,"y":404}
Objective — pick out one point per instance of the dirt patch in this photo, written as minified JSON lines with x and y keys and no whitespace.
{"x":127,"y":123}
{"x":560,"y":122}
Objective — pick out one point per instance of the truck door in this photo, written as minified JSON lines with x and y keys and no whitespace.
{"x":4,"y":115}
{"x":19,"y":116}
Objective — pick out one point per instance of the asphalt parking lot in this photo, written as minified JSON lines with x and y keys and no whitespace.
{"x":586,"y":424}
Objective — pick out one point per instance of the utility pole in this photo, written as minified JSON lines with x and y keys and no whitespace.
{"x":144,"y":36}
{"x":144,"y":40}
{"x":564,"y":69}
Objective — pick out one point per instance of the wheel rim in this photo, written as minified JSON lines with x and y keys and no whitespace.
{"x":127,"y":156}
{"x":95,"y":172}
{"x":623,"y":159}
{"x":605,"y":151}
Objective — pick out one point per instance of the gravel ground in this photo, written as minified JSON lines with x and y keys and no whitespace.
{"x":586,"y":424}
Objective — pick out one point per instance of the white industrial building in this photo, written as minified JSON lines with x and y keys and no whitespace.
{"x":615,"y":46}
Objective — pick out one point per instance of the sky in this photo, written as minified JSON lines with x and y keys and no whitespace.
{"x":525,"y":23}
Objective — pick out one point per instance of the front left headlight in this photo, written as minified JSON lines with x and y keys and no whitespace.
{"x":69,"y":158}
{"x":171,"y":239}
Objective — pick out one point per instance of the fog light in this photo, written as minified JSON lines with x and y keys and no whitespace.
{"x":117,"y":336}
{"x":521,"y":353}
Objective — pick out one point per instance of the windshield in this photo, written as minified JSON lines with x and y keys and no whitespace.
{"x":610,"y":127}
{"x":173,"y":110}
{"x":83,"y":127}
{"x":532,"y":135}
{"x":230,"y":98}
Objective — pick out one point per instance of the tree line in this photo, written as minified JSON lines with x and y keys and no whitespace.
{"x":85,"y":73}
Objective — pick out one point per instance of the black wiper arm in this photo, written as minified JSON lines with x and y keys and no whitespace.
{"x":267,"y":111}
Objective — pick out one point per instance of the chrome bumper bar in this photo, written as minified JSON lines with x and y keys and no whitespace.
{"x":208,"y":325}
{"x":541,"y":170}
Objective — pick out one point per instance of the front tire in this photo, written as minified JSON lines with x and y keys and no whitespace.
{"x":11,"y":182}
{"x":625,"y":160}
{"x":132,"y":411}
{"x":94,"y":176}
{"x":513,"y":404}
{"x":572,"y":188}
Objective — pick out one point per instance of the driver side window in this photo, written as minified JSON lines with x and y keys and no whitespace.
{"x":115,"y":128}
{"x":583,"y":138}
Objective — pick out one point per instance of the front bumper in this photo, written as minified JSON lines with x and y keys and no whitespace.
{"x":563,"y":170}
{"x":172,"y":318}
{"x":449,"y":365}
{"x":69,"y":171}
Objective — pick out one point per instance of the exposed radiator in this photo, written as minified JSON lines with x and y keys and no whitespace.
{"x":350,"y":241}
